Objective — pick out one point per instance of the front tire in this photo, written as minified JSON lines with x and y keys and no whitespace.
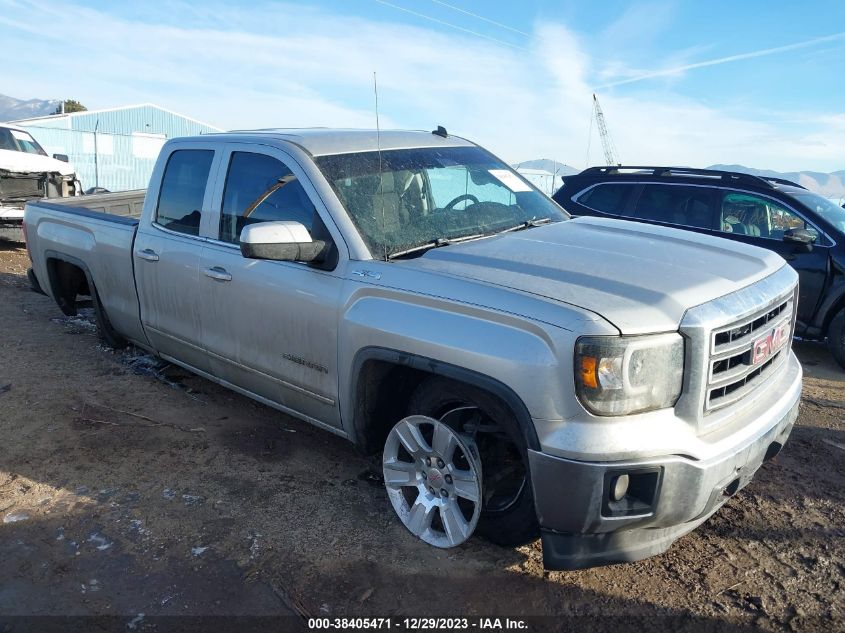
{"x":508,"y":516}
{"x":836,"y":338}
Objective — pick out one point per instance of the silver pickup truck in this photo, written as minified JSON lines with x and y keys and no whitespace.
{"x":604,"y":384}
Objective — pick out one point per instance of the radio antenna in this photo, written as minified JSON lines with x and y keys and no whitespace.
{"x":380,"y":175}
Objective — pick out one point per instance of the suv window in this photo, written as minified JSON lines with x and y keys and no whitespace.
{"x":260,"y":188}
{"x":822,"y":207}
{"x":677,"y":204}
{"x":607,"y":198}
{"x":747,"y":214}
{"x":182,"y":190}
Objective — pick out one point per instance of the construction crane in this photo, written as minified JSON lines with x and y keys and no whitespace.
{"x":606,"y":141}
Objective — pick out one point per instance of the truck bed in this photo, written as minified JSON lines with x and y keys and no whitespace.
{"x":95,"y":235}
{"x":123,"y":204}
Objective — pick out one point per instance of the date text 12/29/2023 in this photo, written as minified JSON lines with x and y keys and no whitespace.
{"x":419,"y":624}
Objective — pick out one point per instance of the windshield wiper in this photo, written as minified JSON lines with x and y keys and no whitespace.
{"x":527,"y":224}
{"x":435,"y":243}
{"x":442,"y":241}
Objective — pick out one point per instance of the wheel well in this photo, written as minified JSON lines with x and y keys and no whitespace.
{"x":384,"y":386}
{"x":835,"y":309}
{"x":67,"y":281}
{"x":381,"y":399}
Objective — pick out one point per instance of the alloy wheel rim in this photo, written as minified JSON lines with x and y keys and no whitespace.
{"x":433,"y":479}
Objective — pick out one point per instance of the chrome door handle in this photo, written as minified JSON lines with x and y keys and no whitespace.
{"x":149,"y":254}
{"x":217,"y":273}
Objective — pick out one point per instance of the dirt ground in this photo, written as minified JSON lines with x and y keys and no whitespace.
{"x":137,"y":493}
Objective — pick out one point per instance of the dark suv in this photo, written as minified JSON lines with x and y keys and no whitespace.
{"x":805,"y":229}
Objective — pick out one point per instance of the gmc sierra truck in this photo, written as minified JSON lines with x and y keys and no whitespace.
{"x":604,"y":384}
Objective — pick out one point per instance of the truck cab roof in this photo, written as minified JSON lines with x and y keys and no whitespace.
{"x":323,"y":141}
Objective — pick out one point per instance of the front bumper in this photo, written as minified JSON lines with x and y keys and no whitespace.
{"x":581,"y":525}
{"x":11,"y":223}
{"x":11,"y":214}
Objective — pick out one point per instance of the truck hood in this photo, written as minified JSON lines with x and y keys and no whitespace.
{"x":22,"y":162}
{"x":641,"y":278}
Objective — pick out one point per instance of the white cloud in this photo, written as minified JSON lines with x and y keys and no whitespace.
{"x":287,"y":65}
{"x":673,"y":70}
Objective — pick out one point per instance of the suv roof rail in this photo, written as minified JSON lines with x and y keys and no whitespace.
{"x":666,"y":172}
{"x":783,"y":181}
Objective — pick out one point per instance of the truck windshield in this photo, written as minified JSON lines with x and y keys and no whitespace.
{"x":19,"y":141}
{"x":408,"y":199}
{"x":828,"y":210}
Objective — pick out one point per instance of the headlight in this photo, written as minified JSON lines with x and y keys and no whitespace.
{"x":618,"y":375}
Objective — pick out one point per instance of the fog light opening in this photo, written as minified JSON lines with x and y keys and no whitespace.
{"x":628,"y":493}
{"x":619,"y":487}
{"x":731,"y":488}
{"x":772,"y":451}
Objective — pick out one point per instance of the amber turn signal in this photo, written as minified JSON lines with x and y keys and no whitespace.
{"x":588,"y":372}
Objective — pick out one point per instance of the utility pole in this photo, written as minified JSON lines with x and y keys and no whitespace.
{"x":606,"y":141}
{"x":96,"y":156}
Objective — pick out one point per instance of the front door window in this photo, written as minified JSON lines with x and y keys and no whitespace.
{"x":747,"y":214}
{"x":260,"y":188}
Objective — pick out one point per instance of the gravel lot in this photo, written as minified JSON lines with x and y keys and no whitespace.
{"x":125,"y":490}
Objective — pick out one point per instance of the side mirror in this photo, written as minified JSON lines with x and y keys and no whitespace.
{"x":802,"y":237}
{"x":61,"y":157}
{"x":284,"y":241}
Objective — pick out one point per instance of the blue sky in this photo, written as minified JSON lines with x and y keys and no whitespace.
{"x":693,"y":83}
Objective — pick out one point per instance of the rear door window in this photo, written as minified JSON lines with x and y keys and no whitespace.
{"x":677,"y":204}
{"x":611,"y":197}
{"x":183,"y":189}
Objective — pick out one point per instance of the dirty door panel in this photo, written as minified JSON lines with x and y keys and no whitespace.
{"x":167,"y":254}
{"x":269,"y":327}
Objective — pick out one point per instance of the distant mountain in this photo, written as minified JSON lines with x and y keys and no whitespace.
{"x":12,"y":109}
{"x":830,"y":185}
{"x":547,"y":164}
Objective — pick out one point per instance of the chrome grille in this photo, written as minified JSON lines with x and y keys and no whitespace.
{"x":709,"y":400}
{"x":741,"y":355}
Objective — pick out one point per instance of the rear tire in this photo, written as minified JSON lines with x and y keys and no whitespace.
{"x":513,"y":520}
{"x":836,"y":338}
{"x":33,"y":282}
{"x":107,"y":334}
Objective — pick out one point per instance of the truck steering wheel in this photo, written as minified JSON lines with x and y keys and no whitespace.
{"x":461,"y":198}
